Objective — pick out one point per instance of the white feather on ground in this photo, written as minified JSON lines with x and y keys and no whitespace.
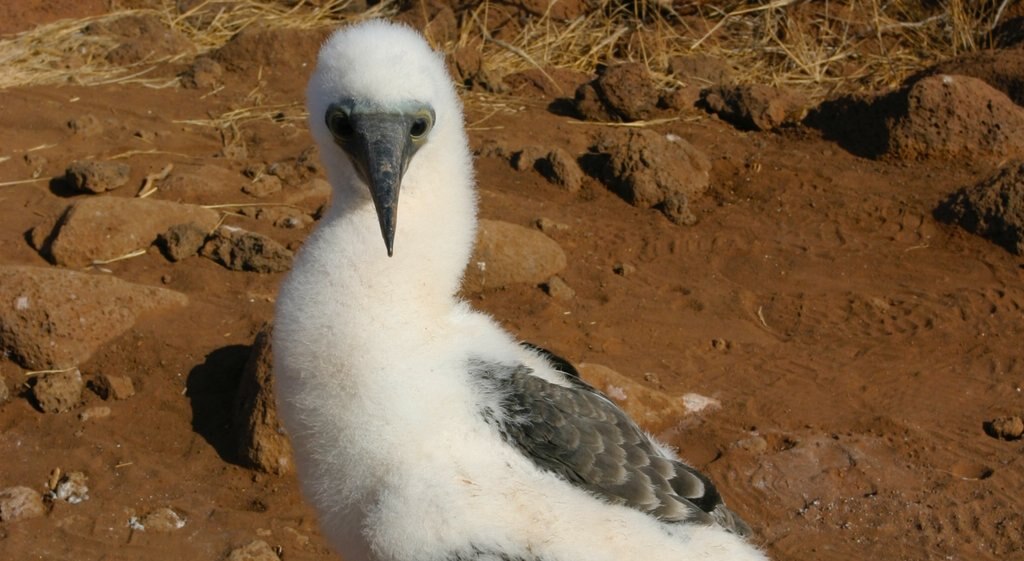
{"x":423,"y":431}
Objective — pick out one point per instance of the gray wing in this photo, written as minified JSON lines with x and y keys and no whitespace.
{"x":579,"y":434}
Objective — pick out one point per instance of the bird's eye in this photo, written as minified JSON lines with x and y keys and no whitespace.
{"x":339,"y":123}
{"x":421,"y":125}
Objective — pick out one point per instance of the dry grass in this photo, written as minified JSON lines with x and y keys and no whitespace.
{"x":818,"y":46}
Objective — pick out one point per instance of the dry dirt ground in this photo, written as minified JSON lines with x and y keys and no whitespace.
{"x":855,"y":346}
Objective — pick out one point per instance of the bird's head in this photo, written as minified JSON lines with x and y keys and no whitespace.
{"x":378,"y":96}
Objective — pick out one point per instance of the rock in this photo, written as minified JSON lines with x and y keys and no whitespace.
{"x":57,"y":392}
{"x":560,"y":168}
{"x":85,"y":125}
{"x":200,"y":184}
{"x":622,"y":92}
{"x":159,"y":520}
{"x":19,"y":503}
{"x":54,"y":318}
{"x":700,"y":68}
{"x":993,"y":208}
{"x":312,"y":196}
{"x":262,"y":186}
{"x":559,"y":289}
{"x":181,"y":241}
{"x":1003,"y":69}
{"x":1005,"y":428}
{"x":549,"y":226}
{"x":623,"y":269}
{"x":695,"y":403}
{"x":263,"y":46}
{"x":261,"y":440}
{"x":90,"y":176}
{"x":103,"y":228}
{"x":241,"y":250}
{"x":956,"y":117}
{"x":648,"y":169}
{"x":205,"y":74}
{"x":279,"y":216}
{"x":94,"y":412}
{"x":507,"y":254}
{"x":294,"y":172}
{"x":654,"y":410}
{"x":526,"y":158}
{"x":753,"y":444}
{"x":72,"y":487}
{"x":109,"y":386}
{"x":257,"y":550}
{"x":755,"y":107}
{"x":5,"y":394}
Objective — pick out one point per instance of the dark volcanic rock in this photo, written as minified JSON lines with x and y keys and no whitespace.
{"x":993,"y":209}
{"x":622,"y":92}
{"x":648,"y":169}
{"x":240,"y":250}
{"x":755,"y":107}
{"x":90,"y":176}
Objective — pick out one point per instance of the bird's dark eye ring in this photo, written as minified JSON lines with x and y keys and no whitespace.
{"x":339,"y":124}
{"x":419,"y":127}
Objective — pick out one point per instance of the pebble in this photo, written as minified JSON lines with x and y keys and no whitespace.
{"x":90,"y":176}
{"x":5,"y":394}
{"x":559,"y":289}
{"x":95,"y":412}
{"x":72,"y":487}
{"x":19,"y":503}
{"x":257,"y":550}
{"x":181,"y":241}
{"x":56,"y":392}
{"x":109,"y":386}
{"x":241,"y":250}
{"x":1006,"y":428}
{"x":623,"y":269}
{"x":159,"y":520}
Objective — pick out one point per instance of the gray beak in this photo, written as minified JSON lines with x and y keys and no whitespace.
{"x":380,"y":145}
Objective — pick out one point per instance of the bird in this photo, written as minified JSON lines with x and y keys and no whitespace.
{"x":421,"y":429}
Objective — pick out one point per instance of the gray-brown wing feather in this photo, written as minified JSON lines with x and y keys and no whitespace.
{"x":579,"y":434}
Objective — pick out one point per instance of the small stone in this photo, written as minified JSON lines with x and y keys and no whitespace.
{"x":559,"y":289}
{"x":549,"y":226}
{"x":753,"y":444}
{"x":695,"y":403}
{"x":89,"y":176}
{"x":507,"y":254}
{"x":526,"y":158}
{"x":159,"y":520}
{"x":1005,"y":428}
{"x":56,"y":392}
{"x":5,"y":394}
{"x":560,"y":168}
{"x":110,"y":386}
{"x":262,"y":186}
{"x":19,"y":503}
{"x":257,"y":550}
{"x":72,"y":487}
{"x":181,"y":241}
{"x":261,"y":440}
{"x":240,"y":250}
{"x":720,"y":344}
{"x":86,"y":125}
{"x":95,"y":412}
{"x":623,"y":269}
{"x":623,"y":91}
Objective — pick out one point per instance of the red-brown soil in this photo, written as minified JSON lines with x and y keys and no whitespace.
{"x":856,"y":344}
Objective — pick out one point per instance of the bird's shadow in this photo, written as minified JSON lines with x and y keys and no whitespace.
{"x":211,"y":389}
